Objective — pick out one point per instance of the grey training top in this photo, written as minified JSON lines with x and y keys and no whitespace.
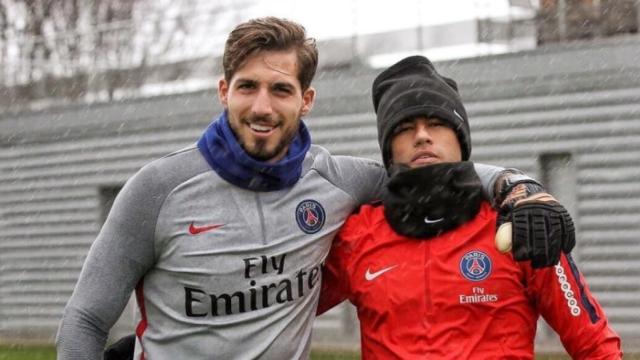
{"x":220,"y":272}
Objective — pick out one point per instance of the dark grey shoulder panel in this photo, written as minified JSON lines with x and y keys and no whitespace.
{"x":179,"y":167}
{"x":363,"y":179}
{"x":137,"y":206}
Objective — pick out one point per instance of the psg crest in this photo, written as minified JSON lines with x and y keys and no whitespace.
{"x":475,"y":265}
{"x":310,"y":216}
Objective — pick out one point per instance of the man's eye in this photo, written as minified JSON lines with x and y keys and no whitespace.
{"x":282,"y":89}
{"x":401,"y":128}
{"x":246,"y":86}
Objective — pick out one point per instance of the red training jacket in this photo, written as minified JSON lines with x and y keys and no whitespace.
{"x":455,"y":296}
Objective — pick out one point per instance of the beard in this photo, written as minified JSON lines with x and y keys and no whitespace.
{"x":260,"y":150}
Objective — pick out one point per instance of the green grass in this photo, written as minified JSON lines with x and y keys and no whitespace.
{"x":20,"y":352}
{"x":48,"y":353}
{"x":334,"y":355}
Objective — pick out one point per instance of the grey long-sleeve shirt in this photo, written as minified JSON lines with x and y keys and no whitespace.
{"x":219,"y":271}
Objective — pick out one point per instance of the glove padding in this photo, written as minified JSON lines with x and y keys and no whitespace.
{"x":542,"y":228}
{"x":122,"y":349}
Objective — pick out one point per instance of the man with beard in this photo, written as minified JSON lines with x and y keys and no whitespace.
{"x":223,"y":241}
{"x":422,"y":267}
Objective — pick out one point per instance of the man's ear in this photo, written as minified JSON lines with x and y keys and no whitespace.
{"x":223,"y":91}
{"x":308,"y":99}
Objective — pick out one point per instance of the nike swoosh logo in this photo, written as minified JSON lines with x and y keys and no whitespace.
{"x":194,"y":230}
{"x":428,"y":221}
{"x":458,"y":115}
{"x":370,"y":276}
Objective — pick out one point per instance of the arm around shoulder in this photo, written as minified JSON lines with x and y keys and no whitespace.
{"x":489,"y":176}
{"x":363,"y":179}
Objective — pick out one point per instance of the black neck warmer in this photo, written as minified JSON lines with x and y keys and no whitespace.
{"x":427,"y":201}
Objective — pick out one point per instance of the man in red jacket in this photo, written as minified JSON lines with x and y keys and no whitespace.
{"x":422,"y":267}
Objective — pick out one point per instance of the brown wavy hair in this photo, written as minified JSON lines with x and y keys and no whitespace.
{"x":270,"y":34}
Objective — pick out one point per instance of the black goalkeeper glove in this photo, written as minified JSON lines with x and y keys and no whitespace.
{"x":541,"y":227}
{"x":122,"y":349}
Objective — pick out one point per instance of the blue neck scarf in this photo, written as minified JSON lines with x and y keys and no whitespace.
{"x":226,"y":157}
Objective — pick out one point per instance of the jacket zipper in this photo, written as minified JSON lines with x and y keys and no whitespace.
{"x":427,"y":281}
{"x":261,"y":216}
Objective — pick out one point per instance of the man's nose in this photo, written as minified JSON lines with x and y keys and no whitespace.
{"x":422,"y":134}
{"x":262,"y":103}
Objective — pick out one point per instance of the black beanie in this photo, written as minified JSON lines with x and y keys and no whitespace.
{"x":410,"y":88}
